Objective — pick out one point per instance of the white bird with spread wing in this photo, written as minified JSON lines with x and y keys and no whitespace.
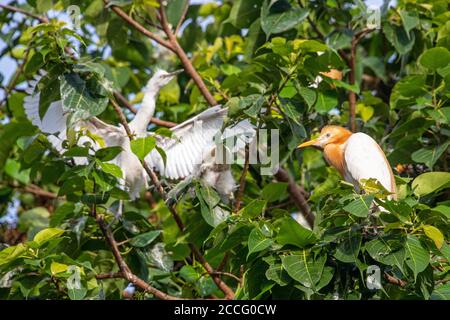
{"x":188,"y":152}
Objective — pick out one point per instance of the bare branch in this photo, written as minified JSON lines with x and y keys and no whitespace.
{"x":111,"y":275}
{"x":39,"y":192}
{"x":296,"y":195}
{"x":394,"y":280}
{"x":184,"y":58}
{"x":41,"y":19}
{"x":139,"y":27}
{"x":183,"y":16}
{"x":125,"y":271}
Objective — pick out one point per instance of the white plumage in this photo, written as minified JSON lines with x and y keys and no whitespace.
{"x":189,"y":151}
{"x":364,"y":160}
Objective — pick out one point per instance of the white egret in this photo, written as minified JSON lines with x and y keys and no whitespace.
{"x":190,"y":151}
{"x":355,"y":155}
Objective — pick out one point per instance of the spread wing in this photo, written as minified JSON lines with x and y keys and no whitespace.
{"x":54,"y":122}
{"x":364,"y":160}
{"x":190,"y":139}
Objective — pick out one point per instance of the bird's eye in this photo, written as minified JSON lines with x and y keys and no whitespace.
{"x":328,"y":135}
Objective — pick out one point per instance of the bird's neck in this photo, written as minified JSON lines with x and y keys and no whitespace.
{"x":142,"y":118}
{"x":334,"y":154}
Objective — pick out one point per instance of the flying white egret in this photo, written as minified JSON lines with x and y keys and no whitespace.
{"x":189,"y":152}
{"x":355,"y":155}
{"x":54,"y":123}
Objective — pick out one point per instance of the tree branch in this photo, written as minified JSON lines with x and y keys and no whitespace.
{"x":139,"y":27}
{"x":352,"y":64}
{"x":229,"y":294}
{"x":125,"y":271}
{"x":296,"y":195}
{"x":41,"y":19}
{"x":39,"y":192}
{"x":183,"y":57}
{"x":111,"y":275}
{"x":394,"y":280}
{"x":183,"y":16}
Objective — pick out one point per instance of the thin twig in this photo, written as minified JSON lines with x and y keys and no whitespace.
{"x":352,"y":76}
{"x":123,"y":266}
{"x":229,"y":294}
{"x":188,"y":67}
{"x":139,"y":27}
{"x":42,"y":19}
{"x":296,"y":195}
{"x":111,"y":275}
{"x":311,"y":22}
{"x":39,"y":192}
{"x":182,"y":17}
{"x":394,"y":280}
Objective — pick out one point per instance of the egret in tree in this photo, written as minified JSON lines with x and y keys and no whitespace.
{"x":188,"y":151}
{"x":356,"y":156}
{"x":54,"y":123}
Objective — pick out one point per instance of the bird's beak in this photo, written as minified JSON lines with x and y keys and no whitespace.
{"x":172,"y":74}
{"x":309,"y":143}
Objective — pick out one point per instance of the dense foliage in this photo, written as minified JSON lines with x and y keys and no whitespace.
{"x":259,"y":58}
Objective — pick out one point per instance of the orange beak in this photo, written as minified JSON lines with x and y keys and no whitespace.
{"x":309,"y":143}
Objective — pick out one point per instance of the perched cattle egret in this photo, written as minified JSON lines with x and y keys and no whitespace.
{"x":355,"y":155}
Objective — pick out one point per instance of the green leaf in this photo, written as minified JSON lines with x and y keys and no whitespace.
{"x":348,"y":249}
{"x":274,"y":191}
{"x":79,"y":99}
{"x":361,"y":206}
{"x":253,"y":209}
{"x":397,"y":36}
{"x":189,"y":274}
{"x":257,"y":241}
{"x":430,"y":182}
{"x":429,"y":156}
{"x":57,"y":267}
{"x":410,"y":20}
{"x":111,"y":168}
{"x":142,"y":146}
{"x":435,"y":58}
{"x":417,"y":258}
{"x":291,"y":232}
{"x":304,"y":268}
{"x":309,"y":95}
{"x":11,"y":253}
{"x":389,"y":251}
{"x":47,"y":234}
{"x":441,"y":292}
{"x":445,"y":250}
{"x":108,"y":154}
{"x":280,"y":22}
{"x":145,"y":239}
{"x":76,"y":151}
{"x":244,"y":12}
{"x":434,"y":234}
{"x":276,"y":272}
{"x":13,"y":169}
{"x":325,"y":102}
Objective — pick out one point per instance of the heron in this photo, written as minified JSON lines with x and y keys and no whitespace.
{"x":356,"y":156}
{"x":189,"y":151}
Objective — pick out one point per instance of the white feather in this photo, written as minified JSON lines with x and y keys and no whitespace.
{"x":364,"y":160}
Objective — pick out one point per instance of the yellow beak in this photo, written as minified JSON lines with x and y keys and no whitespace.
{"x":307,"y":143}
